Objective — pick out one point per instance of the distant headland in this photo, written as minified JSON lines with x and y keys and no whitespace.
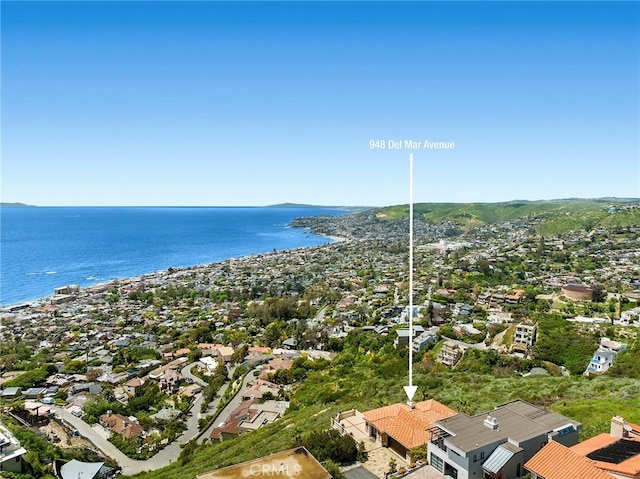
{"x":302,"y":205}
{"x":16,"y":205}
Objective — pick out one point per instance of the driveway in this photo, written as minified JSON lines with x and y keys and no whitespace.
{"x":232,"y":406}
{"x":186,"y":372}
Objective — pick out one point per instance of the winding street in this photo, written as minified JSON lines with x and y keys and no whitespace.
{"x":232,"y":406}
{"x":164,"y":457}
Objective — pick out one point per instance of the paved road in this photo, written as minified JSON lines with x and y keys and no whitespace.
{"x":232,"y":406}
{"x":164,"y":457}
{"x":186,"y":372}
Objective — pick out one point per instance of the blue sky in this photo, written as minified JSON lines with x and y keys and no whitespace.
{"x":243,"y":103}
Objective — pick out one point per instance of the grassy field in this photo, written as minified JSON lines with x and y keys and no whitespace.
{"x":558,"y":216}
{"x":368,"y":383}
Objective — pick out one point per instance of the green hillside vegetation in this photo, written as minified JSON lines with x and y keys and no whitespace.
{"x":627,"y":363}
{"x":557,"y":216}
{"x":564,"y":343}
{"x":369,"y":373}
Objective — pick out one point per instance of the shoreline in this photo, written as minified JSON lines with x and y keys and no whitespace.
{"x":47,"y":300}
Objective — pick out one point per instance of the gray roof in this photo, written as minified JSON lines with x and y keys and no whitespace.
{"x":36,"y":390}
{"x":518,"y":421}
{"x":12,"y":391}
{"x":499,"y":457}
{"x":74,"y":469}
{"x":359,"y":473}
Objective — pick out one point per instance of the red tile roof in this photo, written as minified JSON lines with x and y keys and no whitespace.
{"x":629,"y":467}
{"x":406,"y":425}
{"x":555,"y":461}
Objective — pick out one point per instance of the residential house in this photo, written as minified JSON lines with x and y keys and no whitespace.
{"x":34,"y":393}
{"x":603,"y":358}
{"x":75,"y":469}
{"x":10,"y":452}
{"x":525,"y":334}
{"x":133,"y":387}
{"x":182,"y":352}
{"x":616,"y":452}
{"x":127,"y":427}
{"x":607,"y":456}
{"x":170,"y":381}
{"x":399,"y":427}
{"x":225,"y":353}
{"x":450,"y":353}
{"x":175,"y":364}
{"x":404,"y":336}
{"x":230,"y":428}
{"x":421,"y":341}
{"x":11,"y":393}
{"x":191,"y":390}
{"x":555,"y":461}
{"x":515,"y":297}
{"x":498,"y":444}
{"x":600,"y":362}
{"x":465,"y":328}
{"x":257,"y":390}
{"x":630,"y":316}
{"x":290,"y":343}
{"x":208,"y":363}
{"x":615,"y":346}
{"x":274,"y":365}
{"x":92,"y":389}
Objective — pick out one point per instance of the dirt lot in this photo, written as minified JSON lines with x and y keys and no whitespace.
{"x":59,"y":435}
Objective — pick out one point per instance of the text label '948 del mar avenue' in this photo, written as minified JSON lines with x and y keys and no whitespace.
{"x":411,"y":145}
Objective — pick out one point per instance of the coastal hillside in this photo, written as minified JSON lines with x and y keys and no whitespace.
{"x":581,"y":213}
{"x":547,"y":217}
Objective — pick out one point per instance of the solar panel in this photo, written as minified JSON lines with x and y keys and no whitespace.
{"x":616,"y":452}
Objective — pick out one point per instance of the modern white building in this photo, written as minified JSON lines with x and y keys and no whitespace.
{"x":496,"y":444}
{"x":10,"y":452}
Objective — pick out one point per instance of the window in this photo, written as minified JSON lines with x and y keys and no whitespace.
{"x":437,"y":463}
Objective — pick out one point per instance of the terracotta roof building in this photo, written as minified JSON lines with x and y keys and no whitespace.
{"x":401,"y":427}
{"x":616,"y":452}
{"x":231,"y":427}
{"x":609,"y":455}
{"x":555,"y":461}
{"x":122,"y":425}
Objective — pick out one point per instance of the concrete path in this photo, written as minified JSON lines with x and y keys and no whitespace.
{"x":426,"y":472}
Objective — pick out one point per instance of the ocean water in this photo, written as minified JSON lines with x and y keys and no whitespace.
{"x":47,"y":247}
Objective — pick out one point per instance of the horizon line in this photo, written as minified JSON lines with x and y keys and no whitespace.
{"x":294,"y":205}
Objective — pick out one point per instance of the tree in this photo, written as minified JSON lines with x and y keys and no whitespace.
{"x":334,"y":469}
{"x":331,"y":445}
{"x":598,"y":293}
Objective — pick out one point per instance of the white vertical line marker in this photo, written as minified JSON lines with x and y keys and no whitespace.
{"x":410,"y":269}
{"x":410,"y":389}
